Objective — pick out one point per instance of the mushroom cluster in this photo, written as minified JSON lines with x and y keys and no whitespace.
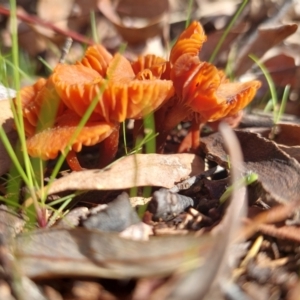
{"x":202,"y":92}
{"x":178,"y":89}
{"x":53,"y":108}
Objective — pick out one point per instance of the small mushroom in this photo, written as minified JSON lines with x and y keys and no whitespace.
{"x":120,"y":96}
{"x":203,"y":93}
{"x":49,"y":142}
{"x":77,"y":86}
{"x":72,"y":88}
{"x":189,"y":42}
{"x":40,"y":106}
{"x":159,"y":67}
{"x":97,"y":58}
{"x":30,"y":110}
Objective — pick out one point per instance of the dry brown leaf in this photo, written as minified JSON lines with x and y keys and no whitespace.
{"x":288,"y":138}
{"x":287,"y":134}
{"x":82,"y":252}
{"x":292,"y":151}
{"x":134,"y":170}
{"x":263,"y":40}
{"x":277,"y":172}
{"x":283,"y":70}
{"x":11,"y":223}
{"x":55,"y":11}
{"x":136,"y":21}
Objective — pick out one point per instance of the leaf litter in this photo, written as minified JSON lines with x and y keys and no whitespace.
{"x":198,"y":242}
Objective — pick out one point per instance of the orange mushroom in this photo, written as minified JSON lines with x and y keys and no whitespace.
{"x":40,"y":106}
{"x":189,"y":42}
{"x":203,"y":92}
{"x":30,"y":110}
{"x":49,"y":142}
{"x":109,"y":80}
{"x":158,"y":67}
{"x":97,"y":58}
{"x":120,"y":96}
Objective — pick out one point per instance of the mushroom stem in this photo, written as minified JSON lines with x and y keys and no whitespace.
{"x":73,"y":162}
{"x":109,"y":148}
{"x":177,"y":113}
{"x":191,"y":142}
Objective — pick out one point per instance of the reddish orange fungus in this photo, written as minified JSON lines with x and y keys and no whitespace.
{"x":159,"y":67}
{"x":197,"y":90}
{"x":48,"y":143}
{"x":98,"y":58}
{"x":201,"y":89}
{"x":120,"y":96}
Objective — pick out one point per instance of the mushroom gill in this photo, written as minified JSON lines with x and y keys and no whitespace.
{"x":120,"y":96}
{"x":97,"y":58}
{"x":61,"y":137}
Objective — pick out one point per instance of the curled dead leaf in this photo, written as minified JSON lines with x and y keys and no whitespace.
{"x":139,"y":170}
{"x":136,"y":21}
{"x":264,"y":39}
{"x":277,"y":172}
{"x":82,"y":252}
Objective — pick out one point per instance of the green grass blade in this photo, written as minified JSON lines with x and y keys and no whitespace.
{"x":271,"y":84}
{"x":12,"y":155}
{"x":94,"y":27}
{"x":283,"y":103}
{"x":227,"y":30}
{"x":18,"y":114}
{"x":189,"y":13}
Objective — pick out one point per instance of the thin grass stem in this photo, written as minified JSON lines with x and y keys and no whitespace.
{"x":270,"y":82}
{"x":227,"y":30}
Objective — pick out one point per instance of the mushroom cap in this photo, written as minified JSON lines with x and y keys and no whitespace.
{"x":183,"y":70}
{"x":190,"y":42}
{"x":147,"y":96}
{"x":40,"y":105}
{"x":209,"y":93}
{"x":159,"y":67}
{"x":30,"y":109}
{"x":50,"y":106}
{"x":77,"y":86}
{"x":49,"y":142}
{"x":119,"y":97}
{"x":234,"y":96}
{"x":119,"y":70}
{"x":97,"y":58}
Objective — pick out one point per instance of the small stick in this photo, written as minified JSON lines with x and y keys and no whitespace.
{"x":65,"y":49}
{"x":35,"y":20}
